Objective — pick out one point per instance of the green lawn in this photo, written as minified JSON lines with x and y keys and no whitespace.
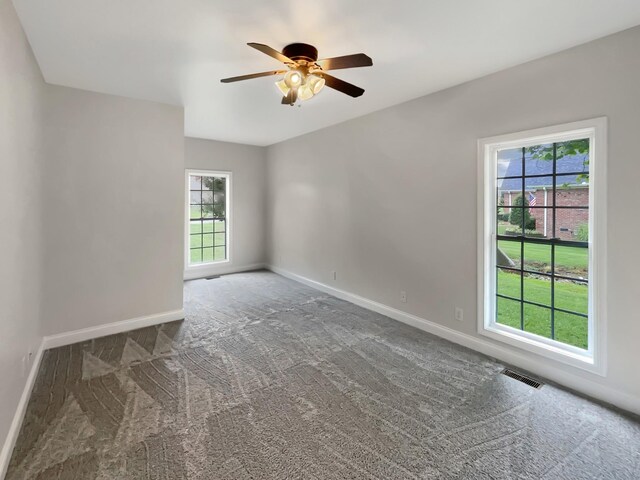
{"x":211,"y":236}
{"x":570,"y":261}
{"x":573,"y":259}
{"x":570,"y":329}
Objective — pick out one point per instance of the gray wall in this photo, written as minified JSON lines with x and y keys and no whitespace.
{"x":114,"y":209}
{"x":372,"y":198}
{"x":91,"y":210}
{"x":248,"y":226}
{"x":21,"y":162}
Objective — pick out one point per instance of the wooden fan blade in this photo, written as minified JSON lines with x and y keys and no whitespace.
{"x":341,"y":85}
{"x":290,"y":98}
{"x":271,"y":52}
{"x":252,"y":75}
{"x":348,"y":61}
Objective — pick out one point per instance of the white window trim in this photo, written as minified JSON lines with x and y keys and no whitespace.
{"x":228,"y":216}
{"x":594,"y":358}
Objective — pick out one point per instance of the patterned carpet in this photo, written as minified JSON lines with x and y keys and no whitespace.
{"x":269,"y":379}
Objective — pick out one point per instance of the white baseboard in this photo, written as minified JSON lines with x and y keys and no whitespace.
{"x":219,"y":269}
{"x":21,"y":409}
{"x":75,"y":336}
{"x":527,"y":361}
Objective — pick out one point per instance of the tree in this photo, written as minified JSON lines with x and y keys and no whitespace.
{"x":570,"y":147}
{"x":582,"y":234}
{"x":216,"y":207}
{"x":516,"y":213}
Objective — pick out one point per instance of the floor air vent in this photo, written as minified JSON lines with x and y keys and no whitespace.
{"x":522,"y":378}
{"x":212,"y":277}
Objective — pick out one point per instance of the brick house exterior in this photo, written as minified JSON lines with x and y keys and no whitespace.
{"x":568,"y":221}
{"x":516,"y":168}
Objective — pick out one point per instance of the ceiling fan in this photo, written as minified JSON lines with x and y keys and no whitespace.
{"x":305,"y":75}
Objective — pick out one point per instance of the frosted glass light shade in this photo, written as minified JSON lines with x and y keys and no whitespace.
{"x":293,"y":79}
{"x":315,"y":83}
{"x":282,"y":86}
{"x":305,"y":92}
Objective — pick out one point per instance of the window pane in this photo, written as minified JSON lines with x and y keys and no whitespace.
{"x":537,"y":320}
{"x":220,"y":253}
{"x":195,"y":240}
{"x":508,"y":253}
{"x":571,"y":191}
{"x":219,"y":225}
{"x":502,"y":220}
{"x":218,"y":210}
{"x":207,"y":240}
{"x":207,"y":226}
{"x":509,"y":220}
{"x":508,"y":191}
{"x":539,"y":160}
{"x":207,"y":211}
{"x":540,"y":222}
{"x":510,"y":163}
{"x":537,"y":257}
{"x":215,"y":184}
{"x":572,"y":296}
{"x":572,"y":262}
{"x":194,"y":211}
{"x":538,"y":184}
{"x":572,"y":224}
{"x":540,"y":195}
{"x":572,"y":329}
{"x":508,"y":283}
{"x":220,"y":239}
{"x":195,"y":198}
{"x":510,"y":223}
{"x":195,"y":182}
{"x":196,"y":256}
{"x":208,"y":183}
{"x":573,"y":156}
{"x":207,"y":254}
{"x":508,"y":312}
{"x":207,"y":197}
{"x":537,"y":289}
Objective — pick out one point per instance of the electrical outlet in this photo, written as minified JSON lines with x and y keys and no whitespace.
{"x":334,"y":274}
{"x":459,"y":314}
{"x":403,"y":296}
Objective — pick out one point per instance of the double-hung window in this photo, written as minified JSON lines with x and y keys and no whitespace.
{"x":207,"y":229}
{"x":541,"y":241}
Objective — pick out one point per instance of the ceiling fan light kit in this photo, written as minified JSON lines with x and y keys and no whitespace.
{"x":306,"y":75}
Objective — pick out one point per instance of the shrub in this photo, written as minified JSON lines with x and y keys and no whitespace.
{"x":531,"y":223}
{"x":582,"y":233}
{"x":516,"y":213}
{"x":528,"y":233}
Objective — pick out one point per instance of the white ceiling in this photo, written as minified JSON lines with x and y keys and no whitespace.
{"x":176,"y":51}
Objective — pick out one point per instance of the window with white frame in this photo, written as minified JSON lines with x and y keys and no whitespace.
{"x":207,"y":230}
{"x":541,"y":241}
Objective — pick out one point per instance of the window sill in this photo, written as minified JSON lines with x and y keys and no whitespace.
{"x":201,"y":266}
{"x":550,"y":349}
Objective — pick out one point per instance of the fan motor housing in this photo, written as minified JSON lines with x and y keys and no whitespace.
{"x":301,"y":51}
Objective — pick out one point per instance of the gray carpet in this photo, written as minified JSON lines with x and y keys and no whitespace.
{"x":269,"y":379}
